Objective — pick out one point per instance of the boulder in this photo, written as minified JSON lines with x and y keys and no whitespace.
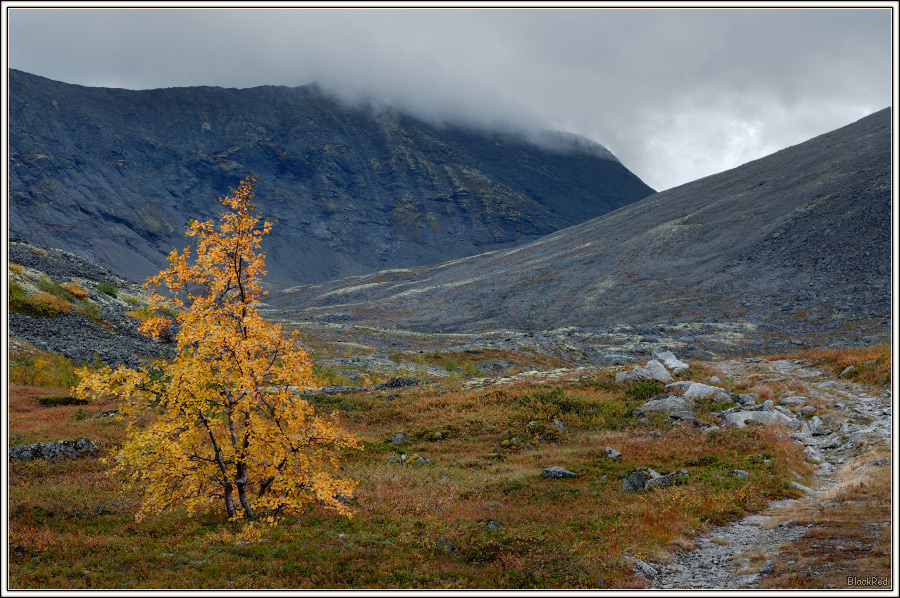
{"x":637,"y":374}
{"x":667,"y":480}
{"x":399,"y":438}
{"x":395,"y":383}
{"x":613,"y":453}
{"x":658,"y":371}
{"x":738,"y":418}
{"x":557,"y":472}
{"x":666,"y":403}
{"x":637,"y":480}
{"x":639,"y":565}
{"x":813,"y":455}
{"x":816,"y":427}
{"x":670,"y":361}
{"x":680,"y":386}
{"x":701,"y":391}
{"x":52,"y":450}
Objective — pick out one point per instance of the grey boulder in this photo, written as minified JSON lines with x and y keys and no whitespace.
{"x":557,"y":472}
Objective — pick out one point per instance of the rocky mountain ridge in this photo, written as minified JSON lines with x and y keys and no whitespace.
{"x":794,"y":244}
{"x":114,"y":175}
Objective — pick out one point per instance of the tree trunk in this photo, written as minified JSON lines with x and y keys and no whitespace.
{"x":241,"y":483}
{"x":229,"y":501}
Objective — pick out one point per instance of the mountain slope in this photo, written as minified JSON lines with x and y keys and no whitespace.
{"x":798,"y":241}
{"x":114,"y":175}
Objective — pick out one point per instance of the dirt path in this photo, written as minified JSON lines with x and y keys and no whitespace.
{"x":857,"y":426}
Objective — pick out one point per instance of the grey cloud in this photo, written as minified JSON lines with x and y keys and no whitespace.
{"x":674,"y":94}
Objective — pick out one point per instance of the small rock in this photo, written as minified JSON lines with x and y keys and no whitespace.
{"x":805,"y":489}
{"x":748,"y":398}
{"x":816,"y":426}
{"x":399,"y":438}
{"x":846,"y":371}
{"x":683,"y":416}
{"x":637,"y":479}
{"x":613,"y":453}
{"x":767,"y":568}
{"x":558,"y":424}
{"x":557,"y":472}
{"x":807,"y":409}
{"x":715,"y":380}
{"x":739,"y":473}
{"x":813,"y":455}
{"x":493,"y":525}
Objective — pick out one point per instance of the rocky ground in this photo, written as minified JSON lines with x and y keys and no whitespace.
{"x":859,"y":422}
{"x":112,"y":336}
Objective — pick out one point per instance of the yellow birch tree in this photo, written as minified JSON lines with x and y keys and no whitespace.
{"x":222,"y":423}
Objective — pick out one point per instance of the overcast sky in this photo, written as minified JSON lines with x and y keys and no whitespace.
{"x":675,"y":94}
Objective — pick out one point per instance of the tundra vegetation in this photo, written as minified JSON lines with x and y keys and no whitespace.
{"x":480,"y":515}
{"x":473,"y":512}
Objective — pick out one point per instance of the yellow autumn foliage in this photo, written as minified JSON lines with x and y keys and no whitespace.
{"x":222,"y":423}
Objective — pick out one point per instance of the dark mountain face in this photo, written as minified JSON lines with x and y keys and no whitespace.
{"x":798,"y":242}
{"x":115,"y":175}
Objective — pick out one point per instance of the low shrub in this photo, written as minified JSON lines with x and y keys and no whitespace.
{"x":644,"y":390}
{"x":40,"y":305}
{"x":75,"y":289}
{"x":108,"y":288}
{"x":91,"y":311}
{"x":16,"y":269}
{"x":60,"y":401}
{"x":47,"y":370}
{"x":141,"y":314}
{"x":48,"y":285}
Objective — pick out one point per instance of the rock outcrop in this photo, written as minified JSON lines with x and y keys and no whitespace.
{"x":114,"y":175}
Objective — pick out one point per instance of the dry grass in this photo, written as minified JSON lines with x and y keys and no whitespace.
{"x":415,"y":527}
{"x":850,"y":535}
{"x":872,"y":365}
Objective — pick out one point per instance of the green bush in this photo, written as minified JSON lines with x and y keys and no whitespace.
{"x":108,"y":288}
{"x":59,"y":401}
{"x":91,"y":311}
{"x":21,"y":303}
{"x":48,"y":285}
{"x":51,"y":371}
{"x":644,"y":390}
